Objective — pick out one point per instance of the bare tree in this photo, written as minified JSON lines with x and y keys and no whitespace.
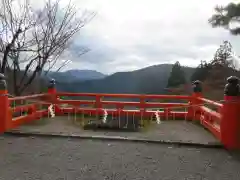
{"x":38,"y":38}
{"x":12,"y":26}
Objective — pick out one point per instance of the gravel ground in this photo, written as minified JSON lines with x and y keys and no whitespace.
{"x":26,"y":158}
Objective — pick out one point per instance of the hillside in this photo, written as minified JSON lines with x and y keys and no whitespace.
{"x":75,"y":75}
{"x":150,"y":80}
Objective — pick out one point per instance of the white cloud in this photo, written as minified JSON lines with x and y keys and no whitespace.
{"x":131,"y":34}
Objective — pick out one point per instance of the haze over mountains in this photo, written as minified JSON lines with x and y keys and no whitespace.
{"x":76,"y":75}
{"x":150,"y":80}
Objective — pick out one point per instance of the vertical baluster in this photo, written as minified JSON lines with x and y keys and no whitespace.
{"x":194,"y":113}
{"x":21,"y":111}
{"x":75,"y":114}
{"x":40,"y":108}
{"x":133,"y":119}
{"x":119,"y":123}
{"x":173,"y":113}
{"x":167,"y":114}
{"x":83,"y":120}
{"x":185,"y":115}
{"x":126,"y":126}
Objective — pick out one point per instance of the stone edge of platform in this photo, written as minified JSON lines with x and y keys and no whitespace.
{"x":113,"y":138}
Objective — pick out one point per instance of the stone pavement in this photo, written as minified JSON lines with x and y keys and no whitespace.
{"x":177,"y":131}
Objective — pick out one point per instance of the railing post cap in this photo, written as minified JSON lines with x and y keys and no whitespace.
{"x":233,"y":80}
{"x":197,"y":86}
{"x":52,"y":83}
{"x":197,"y":82}
{"x":3,"y":83}
{"x":232,"y":86}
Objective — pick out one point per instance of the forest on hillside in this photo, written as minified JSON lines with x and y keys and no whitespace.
{"x":213,"y":74}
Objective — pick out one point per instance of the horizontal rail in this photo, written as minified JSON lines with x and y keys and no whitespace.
{"x":117,"y":112}
{"x":213,"y":114}
{"x":208,"y":101}
{"x":22,"y":108}
{"x":75,"y":102}
{"x":211,"y":127}
{"x":146,"y":104}
{"x":120,"y":103}
{"x":18,"y":98}
{"x":17,"y":121}
{"x":126,"y":95}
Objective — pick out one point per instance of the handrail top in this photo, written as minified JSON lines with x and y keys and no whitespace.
{"x":210,"y":102}
{"x":124,"y":95}
{"x":16,"y":98}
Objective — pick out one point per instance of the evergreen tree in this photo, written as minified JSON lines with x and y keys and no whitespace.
{"x":223,"y":56}
{"x":221,"y":63}
{"x":177,"y":76}
{"x":226,"y":17}
{"x":201,"y":72}
{"x":221,"y":66}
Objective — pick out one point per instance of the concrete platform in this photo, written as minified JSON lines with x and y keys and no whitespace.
{"x":175,"y":131}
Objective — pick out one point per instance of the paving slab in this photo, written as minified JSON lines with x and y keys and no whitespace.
{"x":177,"y":131}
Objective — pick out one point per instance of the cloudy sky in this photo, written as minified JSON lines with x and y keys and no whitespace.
{"x":132,"y":34}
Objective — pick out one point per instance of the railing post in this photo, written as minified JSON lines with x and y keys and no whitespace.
{"x":98,"y":102}
{"x":193,"y":111}
{"x":98,"y":106}
{"x":4,"y":105}
{"x":142,"y":105}
{"x":53,"y":92}
{"x":230,"y":122}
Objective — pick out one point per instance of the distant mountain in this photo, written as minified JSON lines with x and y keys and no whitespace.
{"x":86,"y":74}
{"x":150,"y":80}
{"x":75,"y":75}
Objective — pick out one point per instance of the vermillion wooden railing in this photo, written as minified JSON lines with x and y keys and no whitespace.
{"x":209,"y":118}
{"x":141,"y":107}
{"x":223,"y":120}
{"x":25,"y":109}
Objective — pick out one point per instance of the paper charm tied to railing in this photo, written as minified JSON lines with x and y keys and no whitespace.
{"x":105,"y":114}
{"x":51,"y":111}
{"x":158,"y":120}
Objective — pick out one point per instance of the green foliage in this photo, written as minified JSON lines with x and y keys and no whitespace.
{"x":177,"y":76}
{"x":222,"y":66}
{"x":201,"y":72}
{"x":63,"y":98}
{"x":223,"y":56}
{"x":227,"y":17}
{"x":222,"y":59}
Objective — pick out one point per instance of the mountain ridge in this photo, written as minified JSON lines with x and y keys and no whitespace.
{"x":149,"y":80}
{"x":75,"y":75}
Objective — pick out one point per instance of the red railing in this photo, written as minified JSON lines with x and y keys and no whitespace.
{"x":25,"y":109}
{"x":141,"y":107}
{"x":19,"y":110}
{"x":210,"y":118}
{"x":36,"y":107}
